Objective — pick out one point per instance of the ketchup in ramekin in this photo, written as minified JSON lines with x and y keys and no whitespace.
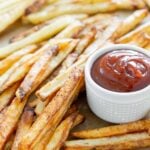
{"x":122,"y":71}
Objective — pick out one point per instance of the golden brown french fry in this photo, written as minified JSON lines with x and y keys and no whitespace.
{"x":145,"y":28}
{"x":57,"y":10}
{"x":7,"y":96}
{"x":130,"y":23}
{"x":124,"y":142}
{"x":35,"y":6}
{"x":47,"y":121}
{"x":23,"y":126}
{"x":37,"y":74}
{"x":42,"y":34}
{"x":8,"y":120}
{"x":115,"y":130}
{"x":13,"y":14}
{"x":49,"y":89}
{"x":10,"y":60}
{"x":61,"y":133}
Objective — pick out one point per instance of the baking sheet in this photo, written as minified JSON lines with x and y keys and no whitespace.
{"x":91,"y":121}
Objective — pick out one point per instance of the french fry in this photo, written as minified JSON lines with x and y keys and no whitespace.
{"x":49,"y":89}
{"x":138,"y":126}
{"x":10,"y":60}
{"x":26,"y":33}
{"x":85,"y":40}
{"x":141,"y":39}
{"x":47,"y":65}
{"x":145,"y":28}
{"x":61,"y":133}
{"x":126,"y":142}
{"x":52,"y":11}
{"x":71,"y":31}
{"x":13,"y":14}
{"x":105,"y":37}
{"x":130,"y":23}
{"x":7,"y":96}
{"x":44,"y":33}
{"x":23,"y":126}
{"x":147,"y":47}
{"x":57,"y":107}
{"x":9,"y":143}
{"x":17,"y":71}
{"x":35,"y":6}
{"x":9,"y":118}
{"x":79,"y":119}
{"x":147,"y":2}
{"x":6,"y":4}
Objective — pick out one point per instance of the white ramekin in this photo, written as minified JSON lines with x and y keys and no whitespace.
{"x":116,"y":107}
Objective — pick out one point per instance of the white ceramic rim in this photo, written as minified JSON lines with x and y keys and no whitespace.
{"x":104,"y":50}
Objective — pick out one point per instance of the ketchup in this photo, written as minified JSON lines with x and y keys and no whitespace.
{"x":122,"y":71}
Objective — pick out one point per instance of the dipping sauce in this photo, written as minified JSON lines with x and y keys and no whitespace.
{"x":122,"y":71}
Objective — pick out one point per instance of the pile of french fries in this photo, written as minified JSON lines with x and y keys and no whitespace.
{"x":42,"y":72}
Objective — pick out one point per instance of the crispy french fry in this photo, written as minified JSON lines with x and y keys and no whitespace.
{"x":44,"y":33}
{"x":57,"y":107}
{"x":13,"y":14}
{"x":138,"y":126}
{"x":61,"y":133}
{"x":126,"y":142}
{"x":49,"y":89}
{"x":47,"y":65}
{"x":8,"y":120}
{"x":145,"y":28}
{"x":57,"y":10}
{"x":130,"y":23}
{"x":7,"y":96}
{"x":23,"y":126}
{"x":10,"y":60}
